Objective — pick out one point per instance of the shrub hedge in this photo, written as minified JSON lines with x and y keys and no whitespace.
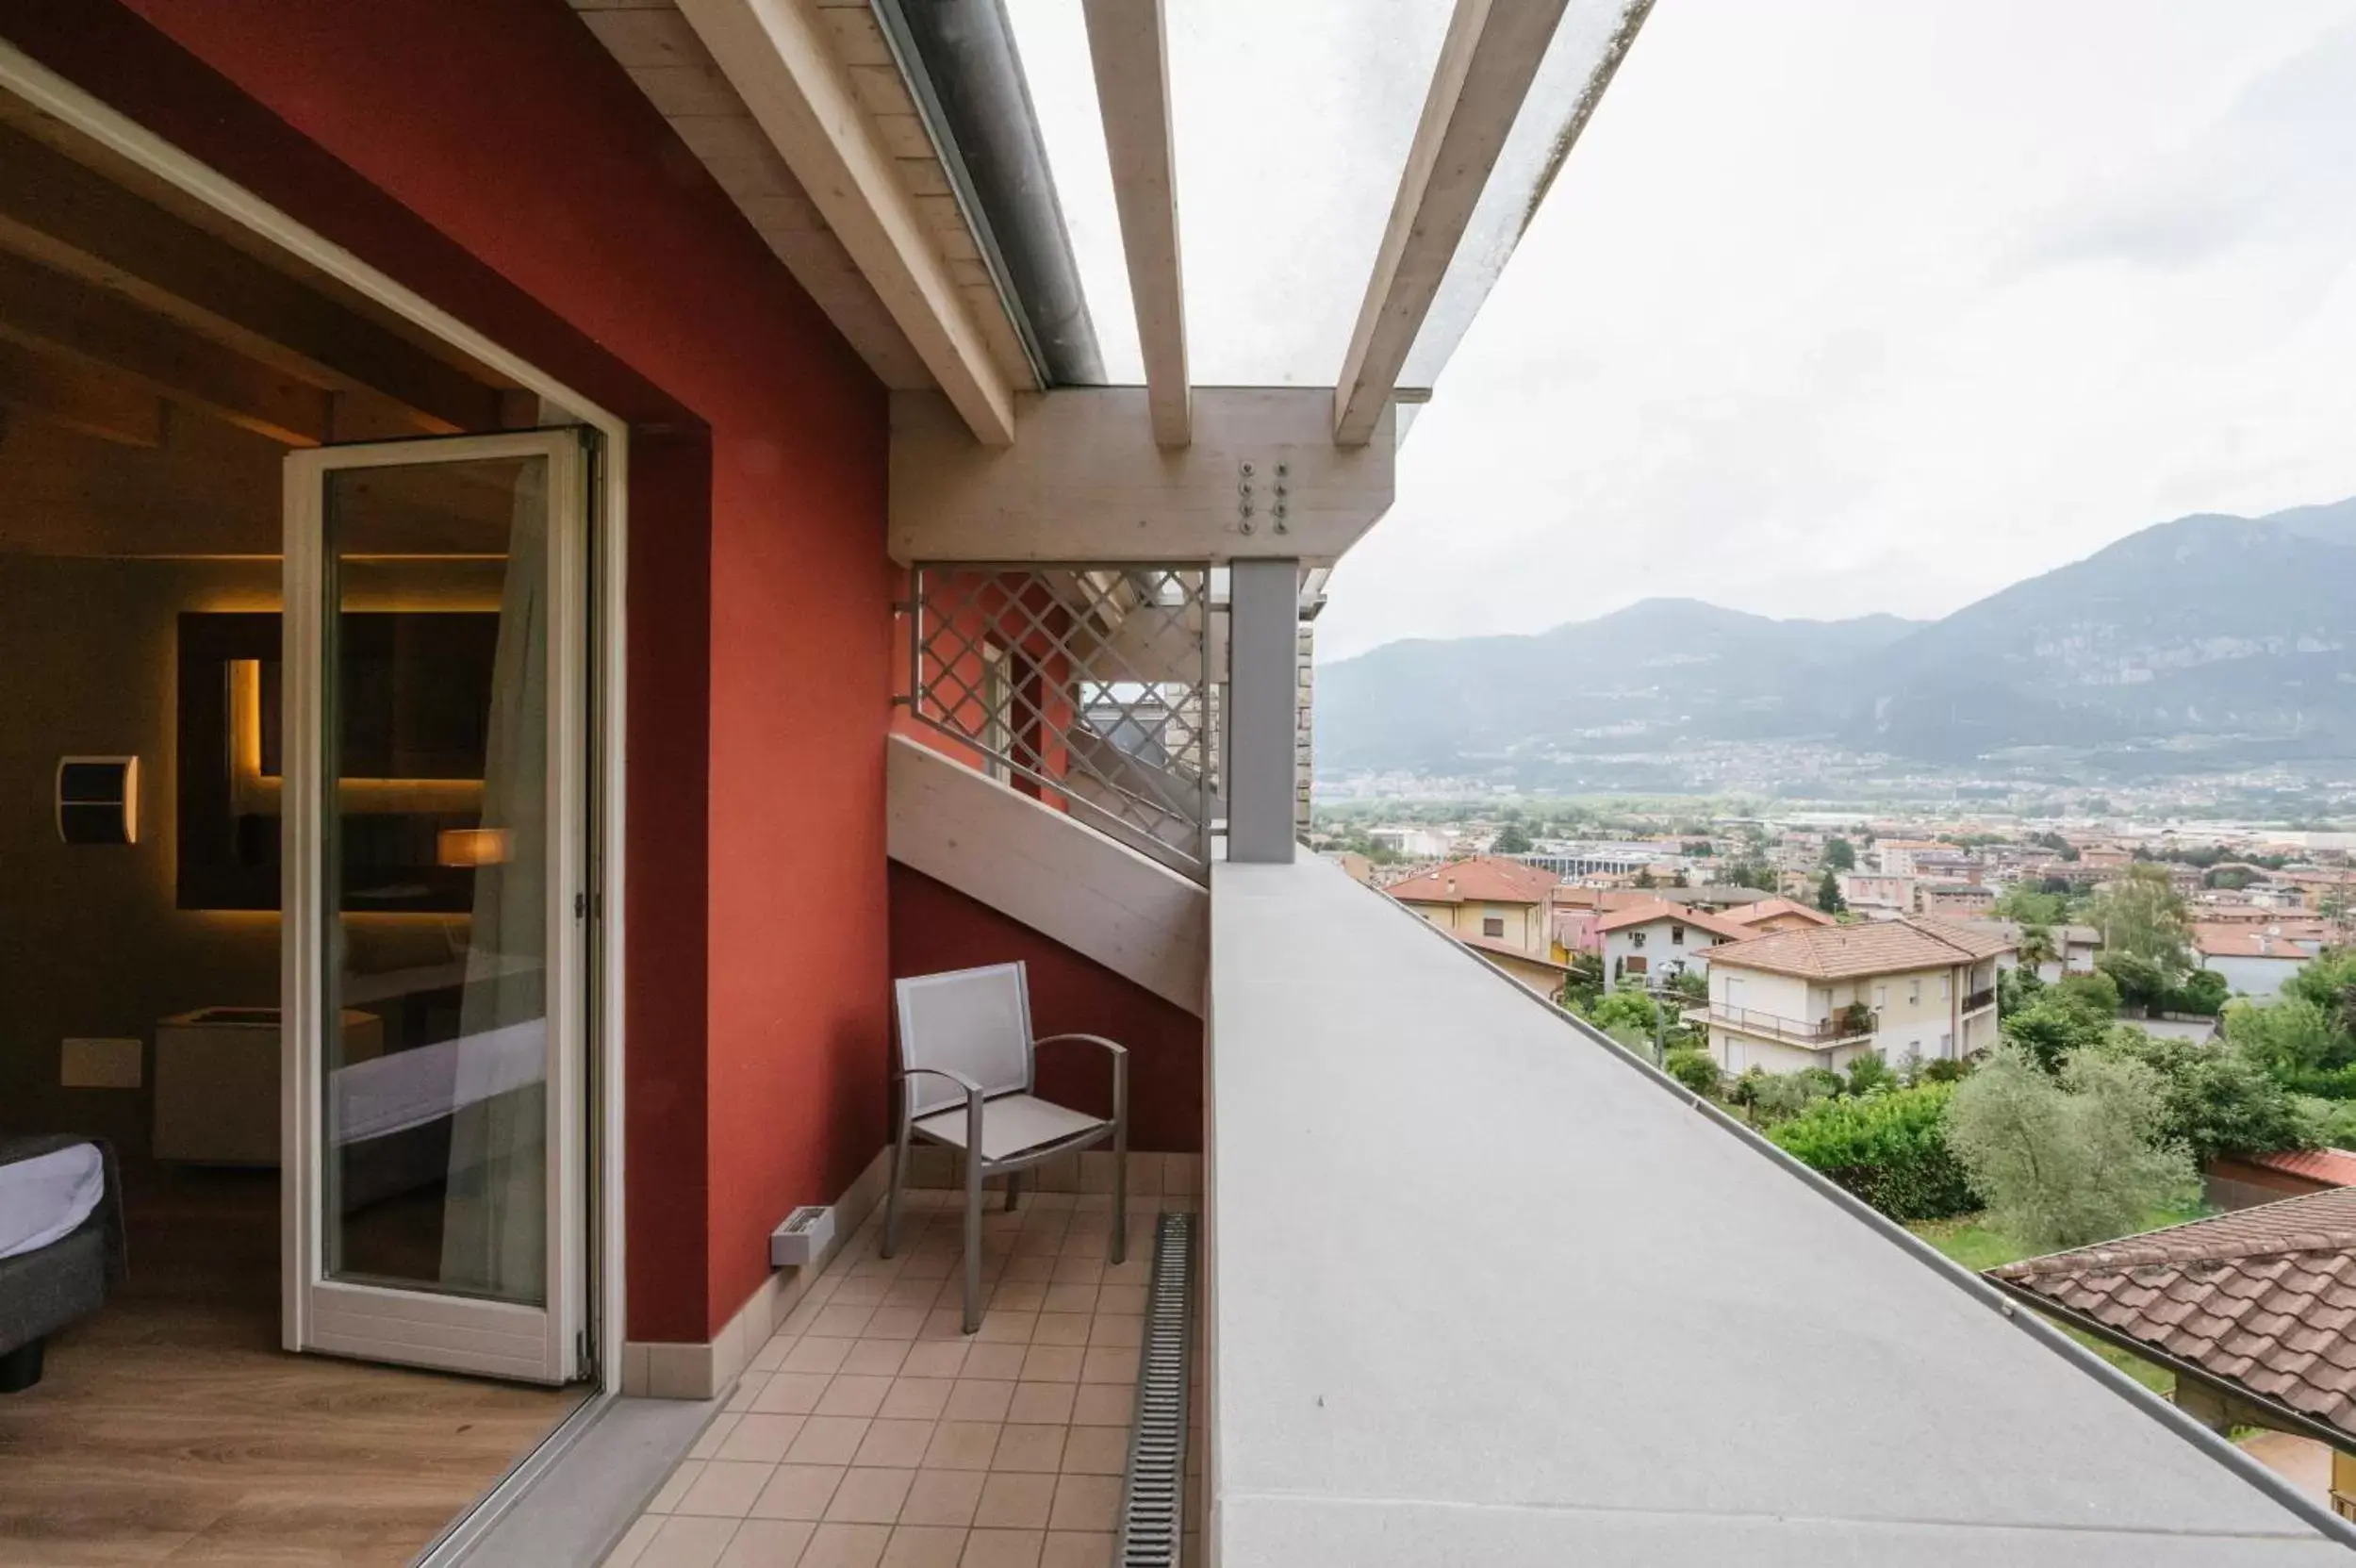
{"x":1888,"y":1149}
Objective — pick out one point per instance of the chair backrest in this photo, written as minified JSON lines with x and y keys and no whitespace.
{"x":972,"y":1021}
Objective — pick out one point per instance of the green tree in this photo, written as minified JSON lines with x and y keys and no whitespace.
{"x":2214,"y":1101}
{"x":1839,"y":854}
{"x":2058,"y":1022}
{"x":1510,"y":840}
{"x":2141,"y":982}
{"x":2202,"y":991}
{"x":1696,"y":1070}
{"x":2070,"y":1159}
{"x":1644,"y":877}
{"x":2329,"y":981}
{"x":2140,"y":915}
{"x":2015,"y":988}
{"x":2031,"y":906}
{"x":1628,"y":1016}
{"x":1752,"y":872}
{"x":2037,"y":947}
{"x":1828,"y":897}
{"x":2290,"y":1037}
{"x":1869,"y":1072}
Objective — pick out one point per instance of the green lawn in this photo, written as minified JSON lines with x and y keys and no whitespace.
{"x":1978,"y":1246}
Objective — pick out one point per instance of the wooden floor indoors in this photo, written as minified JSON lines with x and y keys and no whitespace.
{"x":171,"y":1428}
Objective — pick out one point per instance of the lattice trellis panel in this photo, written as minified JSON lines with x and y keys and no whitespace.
{"x":1093,"y":687}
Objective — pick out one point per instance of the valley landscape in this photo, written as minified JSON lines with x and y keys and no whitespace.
{"x":2211,"y":659}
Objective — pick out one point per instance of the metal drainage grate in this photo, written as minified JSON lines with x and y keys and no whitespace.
{"x":1153,"y":1496}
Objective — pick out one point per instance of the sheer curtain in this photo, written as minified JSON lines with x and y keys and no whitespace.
{"x":495,"y":1209}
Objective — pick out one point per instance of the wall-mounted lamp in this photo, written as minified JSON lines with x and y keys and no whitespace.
{"x":98,"y":799}
{"x":472,"y":847}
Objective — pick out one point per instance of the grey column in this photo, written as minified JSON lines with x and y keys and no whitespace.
{"x":1263,"y":613}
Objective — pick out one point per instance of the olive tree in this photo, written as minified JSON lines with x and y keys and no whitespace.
{"x":2068,"y":1159}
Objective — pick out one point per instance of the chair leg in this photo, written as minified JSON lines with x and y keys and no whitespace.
{"x":1120,"y":1190}
{"x":973,"y":1243}
{"x":891,"y":1193}
{"x":1014,"y":1189}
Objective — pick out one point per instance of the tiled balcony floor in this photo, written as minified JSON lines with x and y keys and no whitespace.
{"x":870,"y":1431}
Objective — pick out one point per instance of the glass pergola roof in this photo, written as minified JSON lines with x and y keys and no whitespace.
{"x":1292,"y":123}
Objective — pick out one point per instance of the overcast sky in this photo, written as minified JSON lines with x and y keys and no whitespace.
{"x":1846,"y":305}
{"x":1839,"y":305}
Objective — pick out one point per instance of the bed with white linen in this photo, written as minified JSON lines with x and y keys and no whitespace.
{"x":60,"y":1244}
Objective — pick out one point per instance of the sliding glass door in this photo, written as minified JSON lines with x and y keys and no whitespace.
{"x":433,"y":720}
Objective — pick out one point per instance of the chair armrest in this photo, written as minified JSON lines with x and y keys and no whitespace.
{"x":1118,"y":1051}
{"x":1120,"y":1068}
{"x":973,"y":1097}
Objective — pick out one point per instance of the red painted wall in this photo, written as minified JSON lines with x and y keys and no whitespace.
{"x":934,"y":928}
{"x":489,"y":153}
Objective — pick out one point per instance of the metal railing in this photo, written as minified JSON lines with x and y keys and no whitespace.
{"x":1979,"y":999}
{"x":1093,"y":688}
{"x":1807,"y":1031}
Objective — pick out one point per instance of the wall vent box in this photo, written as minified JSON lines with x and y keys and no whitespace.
{"x":98,"y":799}
{"x":85,"y":1064}
{"x":805,"y":1236}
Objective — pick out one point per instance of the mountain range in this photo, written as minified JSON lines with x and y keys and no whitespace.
{"x":2208,"y":643}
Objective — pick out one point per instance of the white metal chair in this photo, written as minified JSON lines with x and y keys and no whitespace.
{"x":967,"y":1068}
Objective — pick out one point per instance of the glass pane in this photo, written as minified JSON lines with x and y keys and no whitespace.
{"x":1292,"y":123}
{"x":436,"y":877}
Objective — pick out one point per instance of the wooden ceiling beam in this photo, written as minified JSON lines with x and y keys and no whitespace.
{"x":1486,"y":62}
{"x":1128,"y":45}
{"x":72,"y":220}
{"x":778,"y":58}
{"x":74,"y":397}
{"x":65,"y":318}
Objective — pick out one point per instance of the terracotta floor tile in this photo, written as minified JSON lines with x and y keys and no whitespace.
{"x":1003,"y":1549}
{"x":943,"y":1498}
{"x":1014,"y":1500}
{"x":870,"y":1495}
{"x":798,"y":1492}
{"x":768,"y":1544}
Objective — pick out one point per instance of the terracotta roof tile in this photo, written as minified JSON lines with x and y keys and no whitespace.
{"x":1645,"y":913}
{"x":1484,"y":880}
{"x":2336,"y":1166}
{"x":2262,"y":1297}
{"x":1766,"y":909}
{"x":1869,"y":948}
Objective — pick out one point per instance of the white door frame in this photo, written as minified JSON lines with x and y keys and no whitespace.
{"x":394,"y":1322}
{"x":35,"y":83}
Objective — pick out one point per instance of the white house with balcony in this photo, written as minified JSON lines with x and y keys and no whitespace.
{"x":1823,"y":996}
{"x":1647,"y":942}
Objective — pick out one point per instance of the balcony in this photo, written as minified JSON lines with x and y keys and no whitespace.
{"x":1980,"y":1002}
{"x":1484,"y":1288}
{"x":1803,"y":1032}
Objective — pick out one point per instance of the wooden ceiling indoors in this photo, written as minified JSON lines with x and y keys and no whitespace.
{"x":156,"y":361}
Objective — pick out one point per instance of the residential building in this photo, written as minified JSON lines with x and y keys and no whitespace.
{"x":542,"y":490}
{"x":2255,"y":960}
{"x":1897,"y":857}
{"x":1952,"y":900}
{"x":2073,"y":946}
{"x":1487,"y":896}
{"x":1653,"y":940}
{"x":1413,"y":842}
{"x":1879,"y":894}
{"x":1542,"y":973}
{"x":1821,"y":997}
{"x":1769,"y":916}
